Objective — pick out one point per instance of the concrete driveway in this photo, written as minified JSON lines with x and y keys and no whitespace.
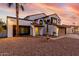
{"x":38,"y":46}
{"x":73,"y":36}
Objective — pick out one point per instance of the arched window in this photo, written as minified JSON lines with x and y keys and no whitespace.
{"x":48,"y":21}
{"x":41,"y":22}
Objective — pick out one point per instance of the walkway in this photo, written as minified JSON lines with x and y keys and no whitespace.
{"x":74,"y":36}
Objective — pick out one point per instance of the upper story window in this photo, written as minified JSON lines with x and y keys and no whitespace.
{"x":41,"y":22}
{"x":58,"y":21}
{"x":53,"y":20}
{"x":45,"y":20}
{"x":48,"y":21}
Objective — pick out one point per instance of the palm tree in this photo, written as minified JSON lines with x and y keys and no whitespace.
{"x":17,"y":15}
{"x":47,"y":28}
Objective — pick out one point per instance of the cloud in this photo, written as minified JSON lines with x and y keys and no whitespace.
{"x":67,"y":12}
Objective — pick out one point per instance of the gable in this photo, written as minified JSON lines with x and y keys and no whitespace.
{"x":55,"y":16}
{"x":35,"y":16}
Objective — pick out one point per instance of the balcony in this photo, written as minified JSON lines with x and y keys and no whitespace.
{"x":36,"y":24}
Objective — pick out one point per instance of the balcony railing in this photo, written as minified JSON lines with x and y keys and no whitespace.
{"x":40,"y":24}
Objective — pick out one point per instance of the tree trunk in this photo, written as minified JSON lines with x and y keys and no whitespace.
{"x":17,"y":19}
{"x":47,"y":32}
{"x":47,"y":29}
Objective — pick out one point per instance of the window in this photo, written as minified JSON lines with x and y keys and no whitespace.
{"x":45,"y":20}
{"x":24,"y":30}
{"x":58,"y":22}
{"x":53,"y":20}
{"x":41,"y":22}
{"x":48,"y":21}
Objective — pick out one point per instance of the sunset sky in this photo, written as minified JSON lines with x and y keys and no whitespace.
{"x":68,"y":13}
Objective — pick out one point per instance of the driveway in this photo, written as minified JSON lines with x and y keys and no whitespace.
{"x":39,"y":46}
{"x":74,"y":36}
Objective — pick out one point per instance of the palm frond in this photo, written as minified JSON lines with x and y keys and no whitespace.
{"x":10,"y":4}
{"x":1,"y":22}
{"x":22,"y":7}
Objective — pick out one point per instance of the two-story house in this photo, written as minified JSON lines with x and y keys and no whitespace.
{"x":26,"y":26}
{"x":35,"y":25}
{"x":52,"y":21}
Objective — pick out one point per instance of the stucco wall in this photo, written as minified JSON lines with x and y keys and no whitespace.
{"x":41,"y":31}
{"x":11,"y":22}
{"x":69,"y":30}
{"x":51,"y":29}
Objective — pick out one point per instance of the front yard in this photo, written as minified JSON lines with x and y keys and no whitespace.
{"x":38,"y":46}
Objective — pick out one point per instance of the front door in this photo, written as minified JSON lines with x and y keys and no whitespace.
{"x":37,"y":31}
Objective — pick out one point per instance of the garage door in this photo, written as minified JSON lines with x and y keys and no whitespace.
{"x":62,"y":31}
{"x":23,"y":30}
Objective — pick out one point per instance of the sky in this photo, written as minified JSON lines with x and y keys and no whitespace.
{"x":68,"y":12}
